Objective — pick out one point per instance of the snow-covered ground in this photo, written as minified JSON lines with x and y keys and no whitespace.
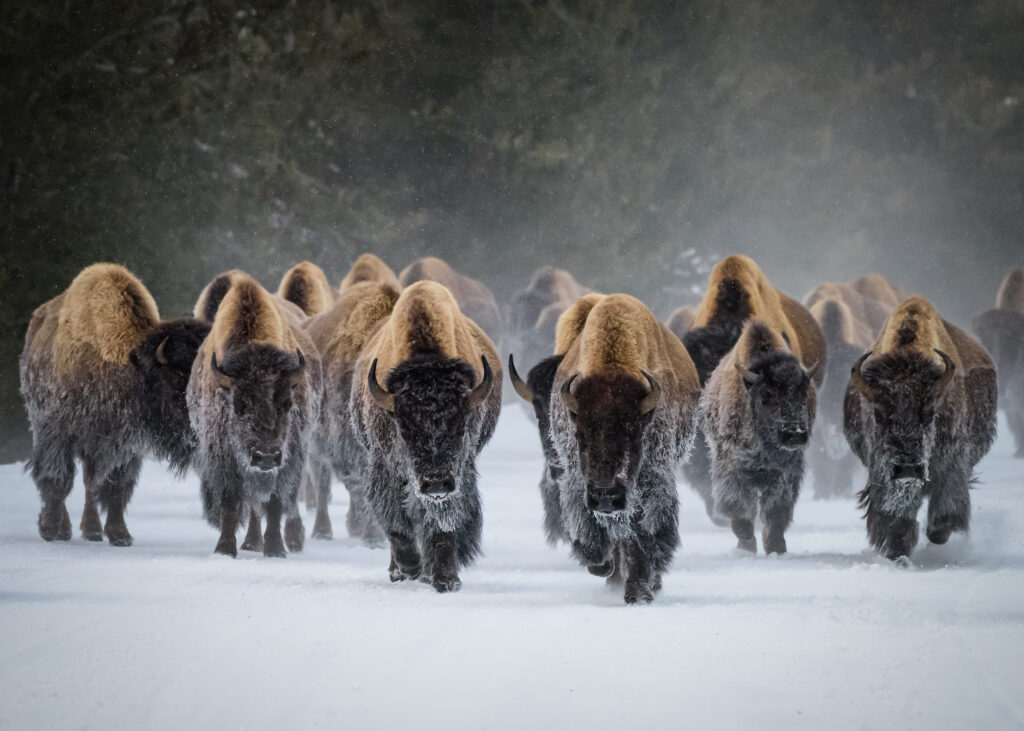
{"x":167,"y":635}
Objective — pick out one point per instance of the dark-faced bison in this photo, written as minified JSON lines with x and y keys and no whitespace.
{"x":920,"y":412}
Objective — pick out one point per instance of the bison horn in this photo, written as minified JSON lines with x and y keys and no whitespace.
{"x":161,"y":355}
{"x":478,"y":394}
{"x":567,"y":397}
{"x":384,"y":399}
{"x":857,"y":378}
{"x":652,"y":397}
{"x":521,"y":386}
{"x":947,"y":375}
{"x":813,"y":370}
{"x":749,"y":377}
{"x":296,"y":376}
{"x":223,"y":379}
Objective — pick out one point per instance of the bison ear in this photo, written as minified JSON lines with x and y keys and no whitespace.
{"x":857,"y":378}
{"x":521,"y":387}
{"x":223,"y":380}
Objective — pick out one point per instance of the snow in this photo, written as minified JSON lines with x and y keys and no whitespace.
{"x":167,"y":635}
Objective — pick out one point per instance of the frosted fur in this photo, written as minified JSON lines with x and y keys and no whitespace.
{"x":428,"y":356}
{"x":254,"y":330}
{"x":904,"y":412}
{"x":339,"y":335}
{"x":619,"y":339}
{"x":753,"y":473}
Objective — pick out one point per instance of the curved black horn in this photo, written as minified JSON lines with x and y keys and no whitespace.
{"x":478,"y":394}
{"x":748,"y":376}
{"x":652,"y":397}
{"x":223,"y":379}
{"x":161,"y":354}
{"x":522,"y":387}
{"x":813,"y":370}
{"x":384,"y":399}
{"x":947,"y":375}
{"x":857,"y":378}
{"x":567,"y":397}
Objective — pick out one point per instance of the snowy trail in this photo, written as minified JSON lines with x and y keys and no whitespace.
{"x":167,"y":635}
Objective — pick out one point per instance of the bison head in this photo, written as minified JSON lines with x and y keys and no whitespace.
{"x":903,"y":392}
{"x":259,"y":381}
{"x":164,"y":362}
{"x":536,"y":391}
{"x":611,"y":413}
{"x":431,"y":400}
{"x":782,"y":412}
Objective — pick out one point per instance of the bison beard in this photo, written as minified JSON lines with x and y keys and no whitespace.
{"x":422,"y":482}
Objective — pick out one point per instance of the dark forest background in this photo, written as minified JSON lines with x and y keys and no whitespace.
{"x":625,"y":141}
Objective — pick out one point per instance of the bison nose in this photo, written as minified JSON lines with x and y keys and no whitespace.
{"x":793,"y":437}
{"x":266,"y":459}
{"x":905,"y":471}
{"x":606,"y":500}
{"x":438,"y":488}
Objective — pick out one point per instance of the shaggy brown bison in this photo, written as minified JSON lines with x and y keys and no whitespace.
{"x":623,"y":420}
{"x":681,"y":320}
{"x":536,"y":391}
{"x":339,"y":335}
{"x":253,"y":398}
{"x":424,"y":405}
{"x":757,"y":415}
{"x":369,"y":268}
{"x":868,"y":315}
{"x":103,"y":381}
{"x":737,"y":291}
{"x":876,"y":287}
{"x":305,"y":285}
{"x":1011,"y":292}
{"x":474,"y":299}
{"x":920,"y":412}
{"x":1001,"y":331}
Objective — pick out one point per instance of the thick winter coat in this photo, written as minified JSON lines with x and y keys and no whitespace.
{"x":305,"y":285}
{"x":1001,"y":331}
{"x":369,"y":268}
{"x":475,"y":300}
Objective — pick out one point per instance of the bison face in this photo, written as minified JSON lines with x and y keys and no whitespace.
{"x":536,"y":391}
{"x":781,"y":406}
{"x":611,"y":414}
{"x":164,"y":361}
{"x":903,"y":392}
{"x":431,"y":400}
{"x":259,"y":381}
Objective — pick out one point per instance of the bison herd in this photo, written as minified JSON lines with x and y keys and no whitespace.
{"x":392,"y":385}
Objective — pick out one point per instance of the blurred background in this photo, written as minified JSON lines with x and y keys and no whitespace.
{"x":633,"y":143}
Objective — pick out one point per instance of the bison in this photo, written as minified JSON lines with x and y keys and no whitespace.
{"x":757,"y":415}
{"x":475,"y":300}
{"x":369,"y":268}
{"x":1011,"y":292}
{"x":1001,"y":331}
{"x":867,"y":314}
{"x":339,"y":335}
{"x":737,"y":291}
{"x":536,"y":391}
{"x":423,"y":407}
{"x":305,"y":285}
{"x":103,"y":381}
{"x":253,"y":399}
{"x":920,"y":412}
{"x":623,"y":420}
{"x":681,"y":320}
{"x":876,"y":287}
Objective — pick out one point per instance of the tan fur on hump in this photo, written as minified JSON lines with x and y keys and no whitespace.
{"x":106,"y":311}
{"x":340,"y":333}
{"x":249,"y":315}
{"x":741,"y":351}
{"x":621,"y":335}
{"x":319,"y":295}
{"x":877,"y":287}
{"x":426,"y":314}
{"x":232,"y":274}
{"x":918,"y":317}
{"x":369,"y":268}
{"x":570,"y":322}
{"x":765,"y":303}
{"x":558,"y":282}
{"x":681,"y":319}
{"x":851,"y":331}
{"x":1011,"y":291}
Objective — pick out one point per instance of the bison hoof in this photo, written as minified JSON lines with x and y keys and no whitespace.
{"x":656,"y":584}
{"x":604,"y":570}
{"x":226,"y":546}
{"x":939,"y":535}
{"x":294,"y":535}
{"x":402,"y":574}
{"x":322,"y":529}
{"x":774,"y":546}
{"x":55,"y":525}
{"x":748,"y":545}
{"x":118,"y":536}
{"x":274,"y":548}
{"x":252,"y":545}
{"x":445,"y":584}
{"x":902,"y":562}
{"x":92,"y":534}
{"x":639,"y":594}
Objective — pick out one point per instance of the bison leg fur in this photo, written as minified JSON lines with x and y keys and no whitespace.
{"x":386,"y":493}
{"x":114,"y":492}
{"x":253,"y":540}
{"x":949,"y":507}
{"x":229,"y":510}
{"x":317,"y":477}
{"x":273,"y":545}
{"x":554,"y":530}
{"x":893,"y":533}
{"x":91,"y":525}
{"x":440,"y":557}
{"x":776,"y":503}
{"x":736,"y":499}
{"x":294,"y":533}
{"x":53,"y":469}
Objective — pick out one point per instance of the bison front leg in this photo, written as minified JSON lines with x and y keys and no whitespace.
{"x":554,"y":529}
{"x":229,"y":518}
{"x":891,"y":513}
{"x":114,"y":494}
{"x":318,"y":477}
{"x":91,"y":525}
{"x":949,"y":505}
{"x":777,"y":499}
{"x":736,"y":499}
{"x":273,"y":544}
{"x":253,"y":540}
{"x":386,"y":493}
{"x":440,"y":553}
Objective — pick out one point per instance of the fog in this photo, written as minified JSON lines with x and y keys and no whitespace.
{"x":623,"y":141}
